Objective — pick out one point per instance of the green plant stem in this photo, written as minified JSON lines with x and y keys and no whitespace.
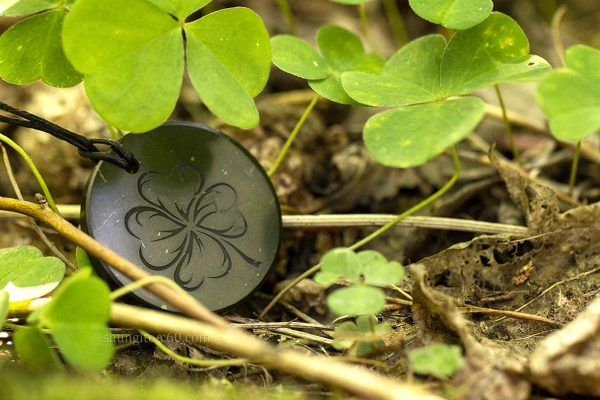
{"x":378,"y":232}
{"x":394,"y":17}
{"x":507,"y":126}
{"x":574,"y":167}
{"x":130,"y":287}
{"x":34,"y":170}
{"x":284,"y":7}
{"x":192,"y":361}
{"x":290,"y":139}
{"x":559,"y":47}
{"x":364,"y":22}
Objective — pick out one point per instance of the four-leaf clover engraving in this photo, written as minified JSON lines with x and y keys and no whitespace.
{"x":187,"y":227}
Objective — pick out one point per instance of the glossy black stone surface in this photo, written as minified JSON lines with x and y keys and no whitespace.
{"x":201,"y":211}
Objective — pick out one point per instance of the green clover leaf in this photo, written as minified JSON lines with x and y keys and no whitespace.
{"x":134,"y":75}
{"x":439,"y":360}
{"x":34,"y":350}
{"x":340,"y":51}
{"x":31,"y":49}
{"x":421,"y":77}
{"x":19,"y":8}
{"x":570,"y":96}
{"x":336,"y":264}
{"x":453,"y":14}
{"x":78,"y":320}
{"x":26,"y":274}
{"x":378,"y":271}
{"x":412,"y":135}
{"x":366,"y":267}
{"x":357,"y":300}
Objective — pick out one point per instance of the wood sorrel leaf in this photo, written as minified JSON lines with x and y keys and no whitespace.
{"x":34,"y":351}
{"x":415,"y":134}
{"x":19,"y":8}
{"x":134,"y":75}
{"x":32,"y":49}
{"x":571,"y":96}
{"x":424,"y":74}
{"x":439,"y":360}
{"x":495,"y":51}
{"x":378,"y":271}
{"x":294,"y":56}
{"x":359,"y":300}
{"x":453,"y":14}
{"x":26,"y":274}
{"x":411,"y":76}
{"x":228,"y":61}
{"x":341,"y":263}
{"x":180,"y":8}
{"x":344,"y":52}
{"x":78,"y":320}
{"x":341,"y":51}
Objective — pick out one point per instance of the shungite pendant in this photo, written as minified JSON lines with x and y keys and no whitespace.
{"x":200,"y":210}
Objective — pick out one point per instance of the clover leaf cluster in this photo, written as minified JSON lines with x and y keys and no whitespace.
{"x":132,"y":59}
{"x":365,"y":272}
{"x":425,"y":83}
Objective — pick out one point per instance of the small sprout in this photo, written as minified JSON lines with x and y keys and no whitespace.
{"x":364,"y":270}
{"x":438,"y":360}
{"x":369,"y":267}
{"x":360,"y":337}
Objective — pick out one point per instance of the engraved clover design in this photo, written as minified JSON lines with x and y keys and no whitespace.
{"x":184,"y":226}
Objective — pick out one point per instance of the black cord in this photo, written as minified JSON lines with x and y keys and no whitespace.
{"x":119,"y":156}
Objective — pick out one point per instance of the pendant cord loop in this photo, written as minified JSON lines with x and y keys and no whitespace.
{"x":119,"y":156}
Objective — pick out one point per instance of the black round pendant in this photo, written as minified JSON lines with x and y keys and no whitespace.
{"x":200,"y":210}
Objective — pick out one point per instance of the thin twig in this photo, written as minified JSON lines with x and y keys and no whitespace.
{"x":275,"y":325}
{"x":553,"y":286}
{"x":303,"y":335}
{"x":374,"y":220}
{"x":356,"y":380}
{"x":399,"y":304}
{"x":334,"y":221}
